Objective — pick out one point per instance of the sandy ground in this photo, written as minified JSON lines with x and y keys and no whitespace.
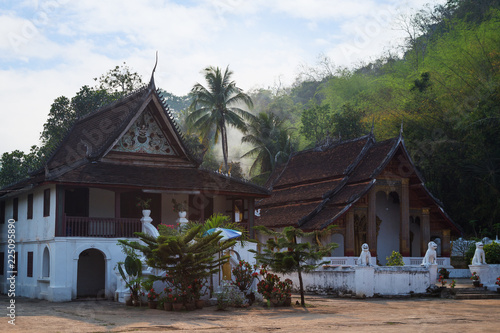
{"x":323,"y":314}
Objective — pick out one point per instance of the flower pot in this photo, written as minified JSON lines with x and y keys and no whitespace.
{"x":146,"y":212}
{"x":167,"y":306}
{"x":129,"y":302}
{"x":152,"y":304}
{"x":498,"y":290}
{"x":182,"y":214}
{"x":199,"y":303}
{"x":177,"y":306}
{"x":190,"y":306}
{"x":274,"y":302}
{"x":287,"y":302}
{"x":251,"y":298}
{"x":476,"y":283}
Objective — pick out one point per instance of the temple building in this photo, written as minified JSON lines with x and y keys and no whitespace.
{"x":70,"y":213}
{"x":370,"y":190}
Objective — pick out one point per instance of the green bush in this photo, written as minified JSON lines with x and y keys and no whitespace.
{"x":492,"y":253}
{"x":396,"y":259}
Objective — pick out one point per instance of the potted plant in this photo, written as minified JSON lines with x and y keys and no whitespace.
{"x":180,"y":207}
{"x":475,"y":279}
{"x":442,"y":280}
{"x":132,"y":276}
{"x":145,"y":205}
{"x":198,"y":291}
{"x":169,"y":299}
{"x":244,"y":275}
{"x":152,"y":295}
{"x":497,"y":282}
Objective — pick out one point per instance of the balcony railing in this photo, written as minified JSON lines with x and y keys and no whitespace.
{"x":76,"y":226}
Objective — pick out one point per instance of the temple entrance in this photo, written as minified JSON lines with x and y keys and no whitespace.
{"x":388,"y":211}
{"x":91,"y":275}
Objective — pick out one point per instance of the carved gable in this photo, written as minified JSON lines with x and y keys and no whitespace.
{"x":145,"y":136}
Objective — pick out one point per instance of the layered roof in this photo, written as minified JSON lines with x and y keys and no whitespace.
{"x":316,"y":187}
{"x":133,"y":142}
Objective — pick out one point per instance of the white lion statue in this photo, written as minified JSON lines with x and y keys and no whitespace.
{"x":430,"y":255}
{"x":364,"y":258}
{"x":479,"y":258}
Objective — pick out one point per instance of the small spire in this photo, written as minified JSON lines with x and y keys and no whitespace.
{"x":152,"y":80}
{"x":401,"y":129}
{"x":373,"y":126}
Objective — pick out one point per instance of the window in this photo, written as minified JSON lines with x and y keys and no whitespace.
{"x":15,"y":208}
{"x":2,"y":259}
{"x":2,"y":212}
{"x":30,"y":265}
{"x":29,"y":215}
{"x":46,"y":263}
{"x":46,"y":202}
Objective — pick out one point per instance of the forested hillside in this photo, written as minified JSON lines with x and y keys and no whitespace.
{"x":444,"y":89}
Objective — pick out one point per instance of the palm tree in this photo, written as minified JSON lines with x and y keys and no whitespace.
{"x":272,"y":143}
{"x":218,"y":105}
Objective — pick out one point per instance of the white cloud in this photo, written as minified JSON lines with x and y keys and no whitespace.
{"x":262,"y":41}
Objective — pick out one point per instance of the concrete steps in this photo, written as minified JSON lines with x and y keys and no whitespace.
{"x":475,"y":293}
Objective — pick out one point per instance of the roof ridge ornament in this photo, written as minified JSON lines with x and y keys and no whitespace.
{"x":373,"y":126}
{"x":401,"y":129}
{"x":152,"y":80}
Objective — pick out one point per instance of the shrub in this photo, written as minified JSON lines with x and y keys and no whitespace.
{"x":492,"y":253}
{"x":396,"y":259}
{"x":444,"y":273}
{"x":244,"y":275}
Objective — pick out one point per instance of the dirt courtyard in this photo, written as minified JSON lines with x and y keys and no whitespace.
{"x":323,"y":314}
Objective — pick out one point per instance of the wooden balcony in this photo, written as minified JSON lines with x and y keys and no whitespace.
{"x":76,"y":226}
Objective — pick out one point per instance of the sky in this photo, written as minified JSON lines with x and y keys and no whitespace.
{"x":51,"y":48}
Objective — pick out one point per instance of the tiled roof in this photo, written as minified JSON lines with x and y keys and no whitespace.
{"x":158,"y":178}
{"x":317,"y":186}
{"x":85,"y":155}
{"x":321,"y":163}
{"x":96,"y":131}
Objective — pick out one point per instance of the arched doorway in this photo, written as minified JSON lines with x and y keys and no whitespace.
{"x":91,"y":274}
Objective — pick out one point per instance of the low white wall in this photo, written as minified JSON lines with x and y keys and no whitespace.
{"x":488,"y":274}
{"x":366,"y":281}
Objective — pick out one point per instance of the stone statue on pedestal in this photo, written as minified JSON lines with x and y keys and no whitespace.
{"x":430,"y":255}
{"x":479,"y":258}
{"x":365,"y":256}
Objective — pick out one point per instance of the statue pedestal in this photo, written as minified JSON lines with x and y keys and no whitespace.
{"x":433,"y":273}
{"x":484,"y":273}
{"x":364,"y":280}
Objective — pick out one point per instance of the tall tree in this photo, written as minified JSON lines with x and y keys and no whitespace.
{"x":272,"y":143}
{"x":119,"y":80}
{"x":218,"y":105}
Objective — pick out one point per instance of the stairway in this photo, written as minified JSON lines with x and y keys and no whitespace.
{"x":475,"y":293}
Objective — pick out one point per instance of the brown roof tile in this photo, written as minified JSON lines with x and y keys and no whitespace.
{"x":318,"y":164}
{"x":284,"y":215}
{"x":304,"y":192}
{"x":158,"y":178}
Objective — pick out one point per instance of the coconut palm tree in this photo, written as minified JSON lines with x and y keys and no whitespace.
{"x":272,"y":143}
{"x":217,"y":105}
